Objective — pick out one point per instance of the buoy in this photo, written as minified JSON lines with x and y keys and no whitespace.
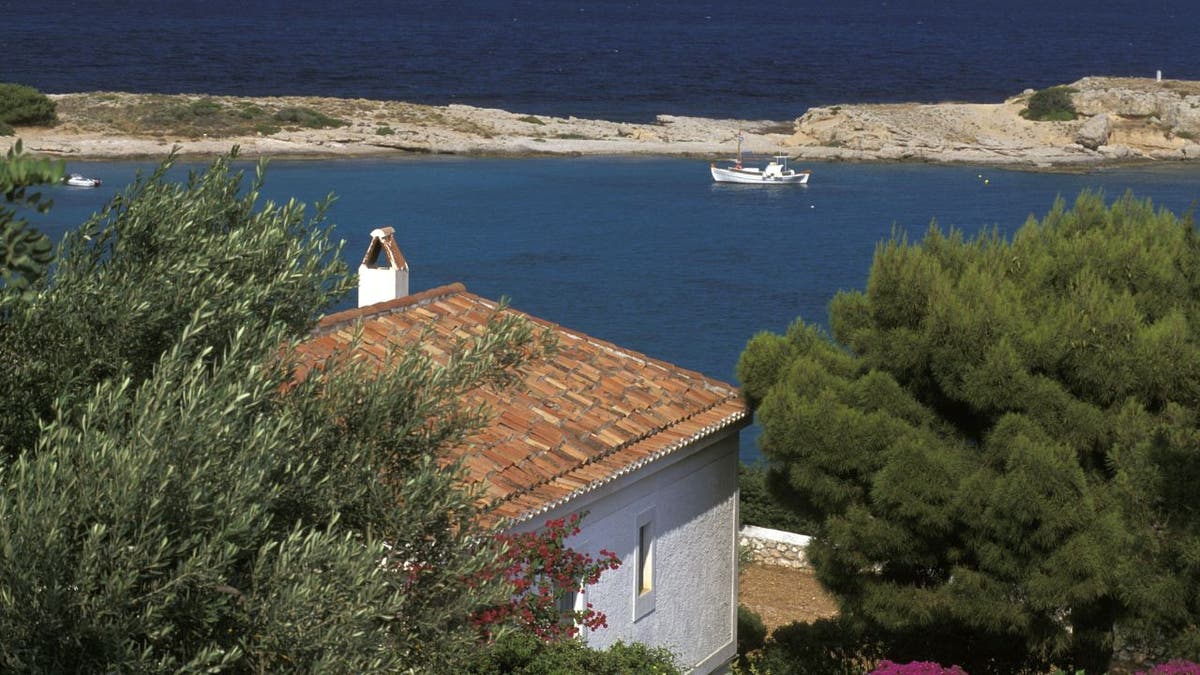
{"x":985,"y":181}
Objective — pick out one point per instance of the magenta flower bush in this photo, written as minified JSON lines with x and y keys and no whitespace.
{"x":1173,"y":667}
{"x":886,"y":667}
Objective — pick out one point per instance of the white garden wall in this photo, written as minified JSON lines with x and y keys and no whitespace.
{"x":774,"y":547}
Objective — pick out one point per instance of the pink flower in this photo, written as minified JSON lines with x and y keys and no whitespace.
{"x":1173,"y":667}
{"x":886,"y":667}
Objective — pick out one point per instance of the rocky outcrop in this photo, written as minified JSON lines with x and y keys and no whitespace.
{"x":1094,"y":133}
{"x":1174,"y":105}
{"x":1127,"y":119}
{"x":944,"y":132}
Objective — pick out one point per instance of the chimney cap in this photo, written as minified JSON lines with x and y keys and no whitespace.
{"x":383,"y":241}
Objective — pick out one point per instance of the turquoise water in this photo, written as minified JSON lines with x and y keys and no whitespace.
{"x":649,"y":253}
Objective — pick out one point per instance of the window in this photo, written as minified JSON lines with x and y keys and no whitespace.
{"x":645,"y":579}
{"x":565,"y":605}
{"x":645,"y":559}
{"x":573,"y":600}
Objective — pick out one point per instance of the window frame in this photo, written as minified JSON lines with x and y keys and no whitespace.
{"x":645,"y":543}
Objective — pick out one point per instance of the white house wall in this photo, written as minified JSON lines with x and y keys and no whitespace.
{"x":690,"y":499}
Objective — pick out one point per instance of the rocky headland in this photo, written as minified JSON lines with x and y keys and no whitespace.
{"x":1120,"y":120}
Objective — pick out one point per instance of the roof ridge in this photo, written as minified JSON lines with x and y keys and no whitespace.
{"x":621,"y":446}
{"x":425,"y":297}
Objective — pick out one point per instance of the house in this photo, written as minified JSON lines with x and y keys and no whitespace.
{"x":648,"y":449}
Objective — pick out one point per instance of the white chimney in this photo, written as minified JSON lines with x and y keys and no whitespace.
{"x":382,"y":282}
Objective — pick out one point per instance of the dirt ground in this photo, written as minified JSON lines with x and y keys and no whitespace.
{"x":781,"y":595}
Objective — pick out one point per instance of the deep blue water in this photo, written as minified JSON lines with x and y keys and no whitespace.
{"x":649,"y":253}
{"x":616,"y":59}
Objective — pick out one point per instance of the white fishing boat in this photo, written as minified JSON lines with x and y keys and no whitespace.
{"x":776,"y":172}
{"x":79,"y":180}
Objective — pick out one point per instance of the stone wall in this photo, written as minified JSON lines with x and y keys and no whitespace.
{"x":774,"y":547}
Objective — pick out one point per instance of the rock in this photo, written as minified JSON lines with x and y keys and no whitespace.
{"x":1119,"y":101}
{"x":1094,"y":132}
{"x":642,"y":134}
{"x":1167,"y":154}
{"x":1116,"y":152}
{"x":1191,"y":151}
{"x":1183,"y":116}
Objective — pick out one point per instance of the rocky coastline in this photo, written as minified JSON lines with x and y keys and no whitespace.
{"x":1122,"y":120}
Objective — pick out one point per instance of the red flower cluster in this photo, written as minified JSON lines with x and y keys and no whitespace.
{"x":542,"y":570}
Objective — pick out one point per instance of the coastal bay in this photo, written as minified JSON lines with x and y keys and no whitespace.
{"x":647,"y":252}
{"x":1121,"y":120}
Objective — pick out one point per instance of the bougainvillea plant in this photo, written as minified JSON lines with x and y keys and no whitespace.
{"x":1173,"y":667}
{"x":543,"y":571}
{"x":886,"y":667}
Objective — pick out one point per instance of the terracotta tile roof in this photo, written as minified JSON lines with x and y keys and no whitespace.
{"x":583,"y":416}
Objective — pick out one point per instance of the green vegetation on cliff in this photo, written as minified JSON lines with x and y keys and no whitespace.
{"x":1051,"y":105}
{"x":23,"y":105}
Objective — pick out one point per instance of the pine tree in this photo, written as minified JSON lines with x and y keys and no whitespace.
{"x":1001,"y":439}
{"x":173,"y":498}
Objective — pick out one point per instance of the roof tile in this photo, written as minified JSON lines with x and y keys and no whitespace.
{"x":580,"y":417}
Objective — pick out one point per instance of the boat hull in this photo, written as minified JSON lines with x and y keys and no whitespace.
{"x":754,"y":177}
{"x":80,"y":181}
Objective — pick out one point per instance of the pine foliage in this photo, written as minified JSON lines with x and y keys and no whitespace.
{"x":1000,"y":439}
{"x":174,"y":499}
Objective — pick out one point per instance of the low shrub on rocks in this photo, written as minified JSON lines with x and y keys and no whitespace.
{"x":1050,"y":105}
{"x":21,"y":105}
{"x":307,"y":117}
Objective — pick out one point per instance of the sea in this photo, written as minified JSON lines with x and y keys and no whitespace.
{"x":645,"y":252}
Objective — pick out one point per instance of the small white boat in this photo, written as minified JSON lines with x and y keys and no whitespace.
{"x":79,"y":180}
{"x":776,"y":172}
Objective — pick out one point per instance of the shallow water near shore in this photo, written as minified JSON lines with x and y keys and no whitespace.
{"x":649,"y":253}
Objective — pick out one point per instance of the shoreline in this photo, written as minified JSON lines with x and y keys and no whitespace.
{"x":1123,"y":121}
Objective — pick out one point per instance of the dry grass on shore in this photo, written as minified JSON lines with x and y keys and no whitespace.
{"x":195,"y":116}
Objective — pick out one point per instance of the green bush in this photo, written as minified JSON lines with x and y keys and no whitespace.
{"x":519,"y":652}
{"x":760,"y":506}
{"x":751,"y":632}
{"x":204,"y":107}
{"x":6,"y":130}
{"x":824,"y":647}
{"x":24,"y":105}
{"x":307,"y":117}
{"x":1051,"y":105}
{"x":385,"y":131}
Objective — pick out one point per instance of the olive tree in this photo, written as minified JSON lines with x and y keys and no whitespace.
{"x":174,"y":498}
